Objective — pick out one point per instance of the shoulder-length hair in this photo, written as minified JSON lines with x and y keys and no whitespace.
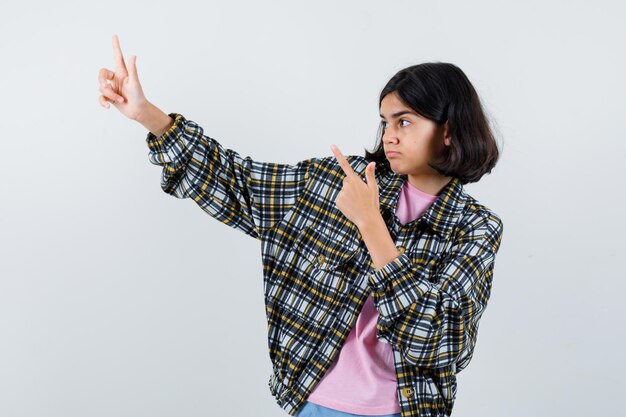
{"x":441,"y":92}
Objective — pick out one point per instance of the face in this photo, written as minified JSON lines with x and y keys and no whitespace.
{"x":410,"y":140}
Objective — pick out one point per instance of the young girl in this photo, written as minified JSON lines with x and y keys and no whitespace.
{"x":377,"y":268}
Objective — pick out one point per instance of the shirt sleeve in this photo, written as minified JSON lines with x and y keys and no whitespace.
{"x":247,"y":195}
{"x":436,"y":324}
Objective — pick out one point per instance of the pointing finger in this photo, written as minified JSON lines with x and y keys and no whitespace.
{"x":343,"y":162}
{"x":117,"y":54}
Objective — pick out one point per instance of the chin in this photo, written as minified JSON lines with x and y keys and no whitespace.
{"x":395,"y":169}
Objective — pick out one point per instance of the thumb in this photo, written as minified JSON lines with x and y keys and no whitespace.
{"x":369,"y":174}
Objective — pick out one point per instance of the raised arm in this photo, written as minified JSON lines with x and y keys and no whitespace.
{"x":247,"y":195}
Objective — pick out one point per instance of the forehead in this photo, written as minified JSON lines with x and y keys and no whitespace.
{"x":391,"y":106}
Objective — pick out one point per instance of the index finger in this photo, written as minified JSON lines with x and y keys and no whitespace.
{"x":117,"y":53}
{"x":343,"y":162}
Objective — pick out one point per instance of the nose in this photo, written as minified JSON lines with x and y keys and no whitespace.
{"x":389,"y":137}
{"x":389,"y":134}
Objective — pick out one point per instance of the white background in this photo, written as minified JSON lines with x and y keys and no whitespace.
{"x":119,"y":300}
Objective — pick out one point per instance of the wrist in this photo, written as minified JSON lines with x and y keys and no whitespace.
{"x":381,"y":247}
{"x":154,"y":120}
{"x":143,"y":112}
{"x":371,"y":222}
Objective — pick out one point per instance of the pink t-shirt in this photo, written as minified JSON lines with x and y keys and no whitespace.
{"x":362,"y":380}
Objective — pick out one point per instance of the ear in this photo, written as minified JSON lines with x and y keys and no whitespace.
{"x":446,"y":134}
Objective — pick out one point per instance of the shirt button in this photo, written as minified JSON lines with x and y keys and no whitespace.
{"x":401,"y":250}
{"x":321,"y":259}
{"x":407,"y":392}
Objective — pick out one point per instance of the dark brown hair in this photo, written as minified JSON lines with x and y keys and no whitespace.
{"x":441,"y":92}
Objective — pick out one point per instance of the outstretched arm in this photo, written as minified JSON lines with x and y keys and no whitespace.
{"x":247,"y":195}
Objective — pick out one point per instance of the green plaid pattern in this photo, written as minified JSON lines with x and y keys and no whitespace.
{"x":317,"y":271}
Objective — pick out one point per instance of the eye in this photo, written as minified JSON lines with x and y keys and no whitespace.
{"x":383,"y":124}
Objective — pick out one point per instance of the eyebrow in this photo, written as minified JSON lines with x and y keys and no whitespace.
{"x":400,"y":113}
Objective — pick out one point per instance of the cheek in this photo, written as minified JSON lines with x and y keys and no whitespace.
{"x":418,"y":148}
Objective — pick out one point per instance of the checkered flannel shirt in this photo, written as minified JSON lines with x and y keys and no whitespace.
{"x":317,"y":271}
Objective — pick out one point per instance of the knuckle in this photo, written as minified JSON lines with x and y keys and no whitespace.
{"x":102,"y":75}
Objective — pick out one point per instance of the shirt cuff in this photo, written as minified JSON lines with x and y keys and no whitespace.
{"x":410,"y":288}
{"x":163,"y":142}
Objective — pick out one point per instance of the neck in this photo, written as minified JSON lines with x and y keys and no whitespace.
{"x":430,"y":184}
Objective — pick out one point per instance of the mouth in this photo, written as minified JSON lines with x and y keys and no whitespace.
{"x":392,"y":153}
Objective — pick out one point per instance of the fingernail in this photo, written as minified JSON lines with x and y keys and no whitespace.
{"x":120,"y":99}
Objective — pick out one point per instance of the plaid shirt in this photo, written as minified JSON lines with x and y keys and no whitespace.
{"x":317,"y":272}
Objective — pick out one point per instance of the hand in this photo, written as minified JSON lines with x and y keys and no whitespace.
{"x":357,"y":200}
{"x":124,"y":90}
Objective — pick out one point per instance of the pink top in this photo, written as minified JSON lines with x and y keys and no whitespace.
{"x":362,"y":380}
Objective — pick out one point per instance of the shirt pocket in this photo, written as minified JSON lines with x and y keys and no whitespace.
{"x":314,"y":273}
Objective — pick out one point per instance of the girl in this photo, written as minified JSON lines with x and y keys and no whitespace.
{"x":377,"y":268}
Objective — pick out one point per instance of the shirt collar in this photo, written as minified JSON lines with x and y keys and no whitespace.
{"x":442,"y":215}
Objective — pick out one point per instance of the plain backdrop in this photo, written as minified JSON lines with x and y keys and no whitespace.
{"x":118,"y":300}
